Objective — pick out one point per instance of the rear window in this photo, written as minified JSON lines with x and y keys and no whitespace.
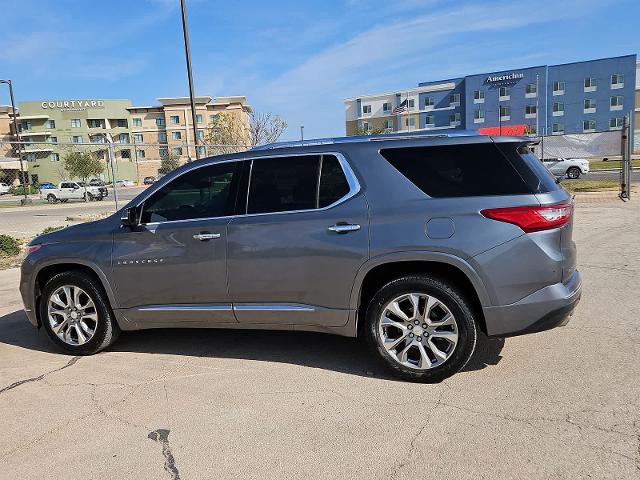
{"x":464,"y":170}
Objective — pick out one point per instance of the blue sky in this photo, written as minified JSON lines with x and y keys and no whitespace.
{"x":297,"y":59}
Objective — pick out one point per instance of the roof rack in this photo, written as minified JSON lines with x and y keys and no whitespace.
{"x":369,"y":138}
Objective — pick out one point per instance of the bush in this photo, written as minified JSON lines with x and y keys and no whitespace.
{"x":19,"y":190}
{"x":50,"y":229}
{"x":9,"y":246}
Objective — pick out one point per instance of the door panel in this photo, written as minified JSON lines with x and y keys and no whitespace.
{"x":163,"y":272}
{"x":289,"y":268}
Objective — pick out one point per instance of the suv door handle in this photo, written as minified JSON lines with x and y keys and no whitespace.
{"x":204,"y":236}
{"x":344,"y":228}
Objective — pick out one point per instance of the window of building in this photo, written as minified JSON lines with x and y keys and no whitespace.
{"x":478,"y":96}
{"x":138,"y":138}
{"x":478,"y":116}
{"x":411,"y":103}
{"x":454,"y":119}
{"x":366,"y":127}
{"x":162,"y":137}
{"x":589,"y":126}
{"x":409,"y":122}
{"x":590,"y":84}
{"x":76,"y":139}
{"x":212,"y":118}
{"x":163,"y":152}
{"x":457,"y":170}
{"x":201,"y":193}
{"x":589,"y":105}
{"x":615,"y":102}
{"x":530,"y":90}
{"x":140,"y":153}
{"x":52,"y":139}
{"x":504,"y":93}
{"x":177,"y":151}
{"x":366,"y":109}
{"x":124,"y":138}
{"x":558,"y":109}
{"x":75,"y":123}
{"x":94,"y":123}
{"x":198,"y":118}
{"x":530,"y":111}
{"x":31,"y":157}
{"x":430,"y":121}
{"x":159,"y":122}
{"x":122,"y":123}
{"x":428,"y":102}
{"x":386,"y":107}
{"x":97,"y":139}
{"x":125,"y":153}
{"x":505,"y":113}
{"x":25,"y":125}
{"x":454,"y":99}
{"x":51,"y":124}
{"x":532,"y":129}
{"x":200,"y":134}
{"x":55,"y":157}
{"x":617,"y":80}
{"x":388,"y":124}
{"x":176,"y":135}
{"x":616,"y":123}
{"x":137,"y":122}
{"x":558,"y":87}
{"x":175,"y":120}
{"x":557,"y":129}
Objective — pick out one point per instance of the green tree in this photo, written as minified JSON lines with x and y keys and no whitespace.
{"x":372,"y":130}
{"x":82,"y":165}
{"x":169,"y":161}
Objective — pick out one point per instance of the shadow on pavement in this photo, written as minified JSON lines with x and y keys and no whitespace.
{"x":316,"y":350}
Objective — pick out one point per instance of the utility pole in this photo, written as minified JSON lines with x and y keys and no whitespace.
{"x":24,"y":178}
{"x":302,"y":133}
{"x":187,"y":50}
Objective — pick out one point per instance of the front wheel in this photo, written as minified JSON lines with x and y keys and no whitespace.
{"x":421,"y":327}
{"x":76,"y":315}
{"x":51,"y":198}
{"x":573,"y":173}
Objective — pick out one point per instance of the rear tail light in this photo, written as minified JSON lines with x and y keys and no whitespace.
{"x":532,"y":219}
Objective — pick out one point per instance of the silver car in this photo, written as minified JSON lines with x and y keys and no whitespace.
{"x":572,"y":168}
{"x":412,"y":242}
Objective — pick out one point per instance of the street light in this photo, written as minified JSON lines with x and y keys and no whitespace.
{"x":25,"y":180}
{"x":187,"y":51}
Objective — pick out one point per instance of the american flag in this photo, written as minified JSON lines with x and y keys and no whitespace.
{"x":402,"y":108}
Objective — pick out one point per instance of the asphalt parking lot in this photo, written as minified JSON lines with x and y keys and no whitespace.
{"x":241,"y":404}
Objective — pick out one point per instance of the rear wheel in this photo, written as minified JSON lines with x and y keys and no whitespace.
{"x":51,"y":198}
{"x":573,"y":173}
{"x":90,"y":197}
{"x":421,"y":327}
{"x":76,"y":315}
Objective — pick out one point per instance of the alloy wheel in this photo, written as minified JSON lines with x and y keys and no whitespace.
{"x":418,"y":331}
{"x":72,"y":315}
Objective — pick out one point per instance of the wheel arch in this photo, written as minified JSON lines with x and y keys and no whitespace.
{"x":377,"y":272}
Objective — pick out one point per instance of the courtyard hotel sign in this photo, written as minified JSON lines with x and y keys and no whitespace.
{"x":512,"y":77}
{"x":72,"y":105}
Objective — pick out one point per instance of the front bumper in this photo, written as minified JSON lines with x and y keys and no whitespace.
{"x":547,"y":308}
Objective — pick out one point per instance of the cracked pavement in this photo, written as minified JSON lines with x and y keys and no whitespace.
{"x":196,"y":404}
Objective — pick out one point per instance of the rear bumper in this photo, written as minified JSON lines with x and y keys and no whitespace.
{"x":547,"y":308}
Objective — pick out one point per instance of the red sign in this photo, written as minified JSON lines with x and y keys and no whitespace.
{"x":505,"y":131}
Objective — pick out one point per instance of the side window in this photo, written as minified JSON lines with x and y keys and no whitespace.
{"x":200,"y":193}
{"x":333,"y":183}
{"x":283,"y":183}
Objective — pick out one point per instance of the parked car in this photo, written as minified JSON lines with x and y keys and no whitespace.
{"x":571,"y":167}
{"x":124,"y":183}
{"x":96,"y":182}
{"x":72,"y":191}
{"x":46,"y":186}
{"x":4,"y":188}
{"x":405,"y":240}
{"x":149,"y":180}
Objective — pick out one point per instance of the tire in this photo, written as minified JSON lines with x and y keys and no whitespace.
{"x":90,"y":197}
{"x":460,"y":326}
{"x":573,"y":173}
{"x":51,"y":198}
{"x":98,"y":334}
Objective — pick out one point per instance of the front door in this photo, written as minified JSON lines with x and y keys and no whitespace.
{"x":172,"y":268}
{"x":294,"y":257}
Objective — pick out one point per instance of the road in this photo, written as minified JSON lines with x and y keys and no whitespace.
{"x":25,"y":222}
{"x":201,"y":404}
{"x":615,"y":175}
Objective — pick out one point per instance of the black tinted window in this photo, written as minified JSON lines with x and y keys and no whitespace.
{"x":200,"y":193}
{"x":284,"y":183}
{"x":458,"y":170}
{"x":333,"y":183}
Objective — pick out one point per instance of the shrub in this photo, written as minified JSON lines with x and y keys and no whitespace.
{"x":19,"y":190}
{"x":9,"y":246}
{"x":50,"y":229}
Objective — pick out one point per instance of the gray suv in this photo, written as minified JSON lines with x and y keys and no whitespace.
{"x":414,"y":242}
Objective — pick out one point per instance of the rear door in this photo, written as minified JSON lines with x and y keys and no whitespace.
{"x":173,"y":267}
{"x":293,"y":257}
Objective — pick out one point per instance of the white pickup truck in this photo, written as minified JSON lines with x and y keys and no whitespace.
{"x":72,"y":190}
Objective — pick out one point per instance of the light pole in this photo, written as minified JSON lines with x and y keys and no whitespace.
{"x":187,"y":50}
{"x":25,"y":180}
{"x":302,"y":133}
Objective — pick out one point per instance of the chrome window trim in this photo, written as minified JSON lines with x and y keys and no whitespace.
{"x":352,"y":180}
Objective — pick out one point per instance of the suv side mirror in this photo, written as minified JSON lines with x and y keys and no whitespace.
{"x":131,"y":218}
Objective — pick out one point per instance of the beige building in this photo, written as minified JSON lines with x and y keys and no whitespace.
{"x":9,"y":161}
